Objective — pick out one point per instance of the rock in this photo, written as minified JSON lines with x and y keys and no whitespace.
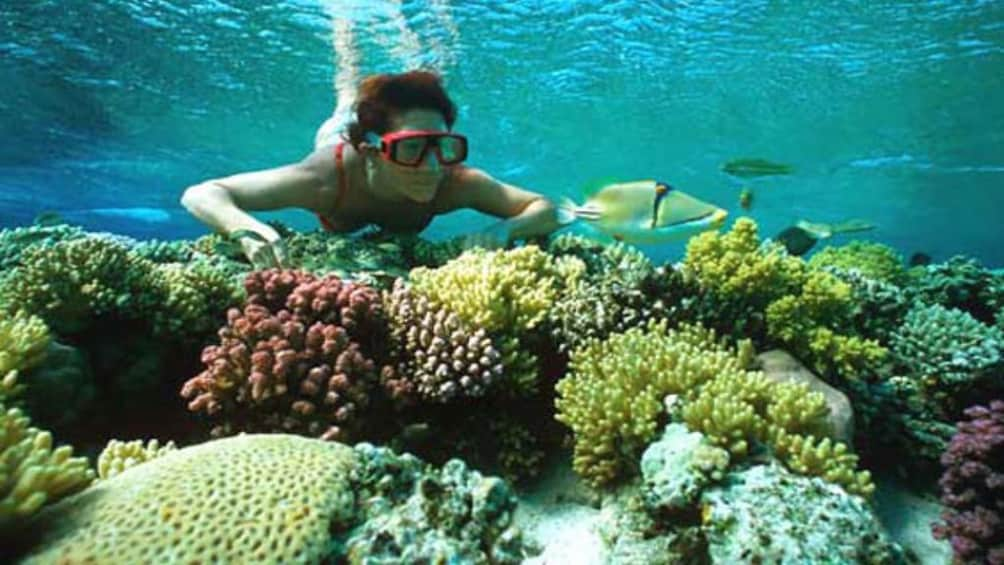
{"x":780,"y":366}
{"x":677,"y":468}
{"x":765,"y":514}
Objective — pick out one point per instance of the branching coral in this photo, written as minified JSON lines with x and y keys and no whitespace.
{"x":508,"y":293}
{"x":873,"y":260}
{"x":117,"y":456}
{"x":301,"y":367}
{"x":972,"y":488}
{"x":805,"y":309}
{"x":440,"y":358}
{"x":23,"y":341}
{"x":619,"y":290}
{"x":32,"y":473}
{"x":14,"y":242}
{"x":73,"y":281}
{"x":613,"y":401}
{"x":612,"y":397}
{"x":878,"y":307}
{"x":195,"y":297}
{"x":947,"y":352}
{"x":960,"y":283}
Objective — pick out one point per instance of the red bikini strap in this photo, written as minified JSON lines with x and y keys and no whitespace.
{"x":342,"y":187}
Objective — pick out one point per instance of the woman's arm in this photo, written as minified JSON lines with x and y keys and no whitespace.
{"x":222,"y":204}
{"x":526,"y":214}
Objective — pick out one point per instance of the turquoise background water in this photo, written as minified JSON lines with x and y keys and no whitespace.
{"x":891,"y":111}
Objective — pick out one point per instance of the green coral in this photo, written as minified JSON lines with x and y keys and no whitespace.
{"x":947,"y":351}
{"x":158,"y":251}
{"x":873,"y":260}
{"x":821,"y":457}
{"x":196,"y":297}
{"x":32,"y":473}
{"x":14,"y":242}
{"x":960,"y":283}
{"x":71,"y":282}
{"x":117,"y":456}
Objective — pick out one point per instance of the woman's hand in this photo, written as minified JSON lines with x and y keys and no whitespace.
{"x":264,"y":254}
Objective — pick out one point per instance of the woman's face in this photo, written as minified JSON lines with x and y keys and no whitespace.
{"x":420,"y":183}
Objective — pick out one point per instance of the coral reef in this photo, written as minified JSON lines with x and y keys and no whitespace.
{"x":439,"y":357}
{"x":947,"y":352}
{"x":14,"y":242}
{"x":612,"y":397}
{"x":677,"y":468}
{"x":972,"y":487}
{"x":117,"y":456}
{"x":767,"y":515}
{"x":74,"y":281}
{"x":296,"y":359}
{"x":251,"y":498}
{"x":508,"y":293}
{"x":803,"y":309}
{"x":32,"y":473}
{"x":873,"y":260}
{"x":23,"y":342}
{"x":959,"y":283}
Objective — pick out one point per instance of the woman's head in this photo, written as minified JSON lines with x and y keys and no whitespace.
{"x":387,"y":103}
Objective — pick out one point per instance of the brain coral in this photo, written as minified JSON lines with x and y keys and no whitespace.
{"x":248,"y":499}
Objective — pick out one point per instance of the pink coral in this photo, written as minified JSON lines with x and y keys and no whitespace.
{"x":972,"y":487}
{"x":292,"y":360}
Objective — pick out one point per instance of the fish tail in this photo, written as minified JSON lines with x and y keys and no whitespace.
{"x":567,"y":211}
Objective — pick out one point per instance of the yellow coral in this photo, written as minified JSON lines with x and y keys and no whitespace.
{"x":117,"y":456}
{"x":32,"y":473}
{"x":612,"y":396}
{"x":821,"y":457}
{"x":497,"y":290}
{"x":796,"y":409}
{"x":23,"y":341}
{"x":735,"y":264}
{"x":504,"y":292}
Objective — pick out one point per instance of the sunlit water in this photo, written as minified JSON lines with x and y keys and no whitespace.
{"x":890,"y":111}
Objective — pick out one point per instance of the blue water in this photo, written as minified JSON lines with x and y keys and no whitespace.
{"x":892,"y":111}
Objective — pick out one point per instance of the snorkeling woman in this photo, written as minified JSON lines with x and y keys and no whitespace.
{"x":396,"y":164}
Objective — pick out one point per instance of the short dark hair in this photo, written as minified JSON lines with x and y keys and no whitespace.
{"x":381,"y":96}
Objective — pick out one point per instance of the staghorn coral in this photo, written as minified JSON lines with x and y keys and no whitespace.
{"x":972,"y":487}
{"x":300,"y":368}
{"x":32,"y":473}
{"x":612,"y":396}
{"x":439,"y":357}
{"x":23,"y":343}
{"x":873,"y":260}
{"x":71,"y":282}
{"x":947,"y":352}
{"x":117,"y":456}
{"x":248,"y":499}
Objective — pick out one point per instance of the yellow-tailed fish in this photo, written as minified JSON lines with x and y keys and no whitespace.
{"x":644,"y":212}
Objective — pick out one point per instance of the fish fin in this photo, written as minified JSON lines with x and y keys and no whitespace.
{"x":566,"y":211}
{"x":818,"y":230}
{"x":596,"y":185}
{"x":854,"y":225}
